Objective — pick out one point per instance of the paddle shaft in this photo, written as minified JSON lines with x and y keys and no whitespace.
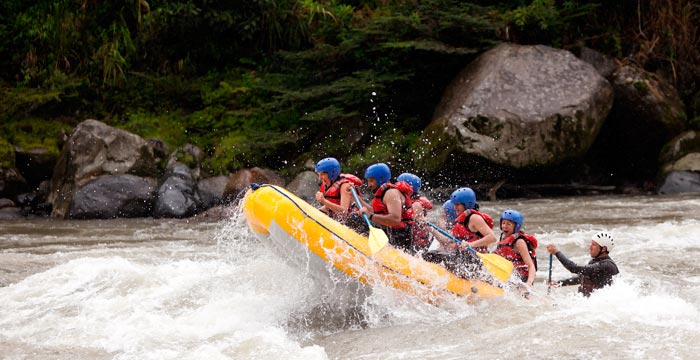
{"x":549,"y":286}
{"x":359,"y":205}
{"x":443,"y":232}
{"x":498,"y":266}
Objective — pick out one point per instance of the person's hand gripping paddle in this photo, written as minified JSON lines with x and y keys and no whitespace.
{"x":377,"y":238}
{"x":498,"y":266}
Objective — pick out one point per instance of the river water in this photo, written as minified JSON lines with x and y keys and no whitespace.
{"x":185,"y":289}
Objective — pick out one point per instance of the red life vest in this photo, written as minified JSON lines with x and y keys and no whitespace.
{"x":332,"y":193}
{"x":420,"y":233}
{"x":427,"y":205}
{"x":378,"y":206}
{"x":506,"y":248}
{"x":461,"y":231}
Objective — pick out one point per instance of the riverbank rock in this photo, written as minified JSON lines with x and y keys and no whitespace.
{"x":11,"y":182}
{"x":212,"y":190}
{"x":243,"y":178}
{"x":519,"y":107}
{"x":305,"y":186}
{"x":11,"y":213}
{"x":113,"y":196}
{"x":35,"y":163}
{"x":647,"y":114}
{"x":92,"y":150}
{"x":680,"y":169}
{"x":178,"y":195}
{"x":604,"y":65}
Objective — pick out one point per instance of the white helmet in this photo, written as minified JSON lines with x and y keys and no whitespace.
{"x":604,"y":239}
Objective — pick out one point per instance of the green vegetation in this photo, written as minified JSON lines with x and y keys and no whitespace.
{"x":7,"y":154}
{"x":274,"y":83}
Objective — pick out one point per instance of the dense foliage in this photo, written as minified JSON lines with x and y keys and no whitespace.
{"x":276,"y":82}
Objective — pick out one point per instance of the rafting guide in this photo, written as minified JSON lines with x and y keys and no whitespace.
{"x":599,"y":271}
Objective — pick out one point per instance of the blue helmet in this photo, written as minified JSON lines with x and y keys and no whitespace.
{"x":514,"y":216}
{"x":464,"y":196}
{"x":329,"y":165}
{"x":411,"y":179}
{"x":379,"y":172}
{"x":450,"y":213}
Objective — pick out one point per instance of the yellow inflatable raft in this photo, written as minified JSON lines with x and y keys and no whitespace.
{"x":301,"y":233}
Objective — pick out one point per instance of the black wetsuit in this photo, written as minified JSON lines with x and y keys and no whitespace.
{"x":595,"y":275}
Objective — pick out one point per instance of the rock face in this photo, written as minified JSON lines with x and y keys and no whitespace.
{"x":112,"y":196}
{"x":178,"y":195}
{"x":680,"y":169}
{"x":178,"y":192}
{"x":521,"y":106}
{"x":305,"y":185}
{"x":646,"y":115}
{"x":95,"y":149}
{"x":212,"y":190}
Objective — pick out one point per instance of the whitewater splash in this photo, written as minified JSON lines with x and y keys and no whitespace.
{"x":176,"y":290}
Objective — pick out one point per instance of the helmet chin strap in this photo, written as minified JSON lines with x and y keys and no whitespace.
{"x":600,"y":252}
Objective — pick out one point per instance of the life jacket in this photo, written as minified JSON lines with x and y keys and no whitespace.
{"x":427,"y":205}
{"x":461,"y":231}
{"x":332,"y":193}
{"x":506,"y":248}
{"x":420,"y":233}
{"x":378,"y":206}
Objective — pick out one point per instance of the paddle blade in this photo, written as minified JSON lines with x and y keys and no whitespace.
{"x":497,"y":265}
{"x":377,"y":239}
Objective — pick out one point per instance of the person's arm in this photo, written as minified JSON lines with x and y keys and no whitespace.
{"x":393,"y":199}
{"x":574,"y":280}
{"x":589,"y":270}
{"x":346,"y":198}
{"x":521,"y":249}
{"x":418,"y":211}
{"x":478,"y":224}
{"x":446,"y":242}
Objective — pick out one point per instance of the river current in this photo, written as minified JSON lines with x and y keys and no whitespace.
{"x":187,"y":289}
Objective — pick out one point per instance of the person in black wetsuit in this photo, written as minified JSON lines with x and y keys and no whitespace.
{"x":597,"y":274}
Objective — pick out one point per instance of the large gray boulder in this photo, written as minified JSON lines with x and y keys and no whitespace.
{"x":646,"y":115}
{"x":647,"y":103}
{"x":112,"y":196}
{"x":520,"y":106}
{"x":92,"y":150}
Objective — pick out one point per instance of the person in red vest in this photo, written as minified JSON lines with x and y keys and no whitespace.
{"x":334,"y":194}
{"x":472,"y":228}
{"x":391,"y":206}
{"x":517,"y":246}
{"x":420,"y":232}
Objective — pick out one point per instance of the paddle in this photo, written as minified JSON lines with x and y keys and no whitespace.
{"x":497,"y":265}
{"x":549,"y":283}
{"x":377,"y":238}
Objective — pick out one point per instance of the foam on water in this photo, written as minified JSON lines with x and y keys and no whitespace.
{"x":218,"y":293}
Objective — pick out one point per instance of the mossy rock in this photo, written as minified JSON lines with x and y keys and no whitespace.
{"x":35,"y":133}
{"x":7,"y":154}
